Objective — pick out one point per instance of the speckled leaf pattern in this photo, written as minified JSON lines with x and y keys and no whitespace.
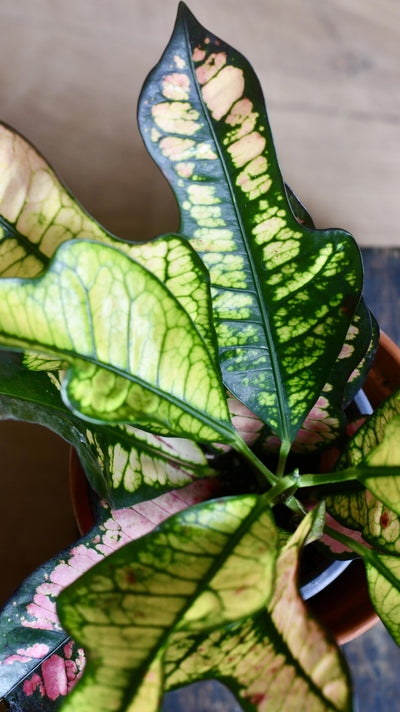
{"x":326,"y":421}
{"x":135,"y":355}
{"x":383,"y":575}
{"x":278,"y":660}
{"x":137,"y":465}
{"x":374,"y":511}
{"x":361,"y":511}
{"x":205,"y":567}
{"x":361,"y":369}
{"x":29,"y":626}
{"x":203,"y":120}
{"x":52,"y":680}
{"x":123,"y":464}
{"x":38,"y":214}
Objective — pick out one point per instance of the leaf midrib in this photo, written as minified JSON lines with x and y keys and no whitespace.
{"x":231,"y":543}
{"x":227,"y":432}
{"x":280,"y":395}
{"x":30,"y":248}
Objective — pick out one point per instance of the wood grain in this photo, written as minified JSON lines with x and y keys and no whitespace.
{"x":70,"y":74}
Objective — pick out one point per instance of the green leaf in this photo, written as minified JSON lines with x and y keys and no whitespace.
{"x":383,"y":575}
{"x":361,"y":511}
{"x":123,"y":464}
{"x":30,"y":631}
{"x":278,"y":659}
{"x":361,"y":369}
{"x":135,"y":355}
{"x":203,"y":120}
{"x":374,"y":452}
{"x":38,"y":214}
{"x":376,"y":445}
{"x":207,"y":566}
{"x":326,"y":421}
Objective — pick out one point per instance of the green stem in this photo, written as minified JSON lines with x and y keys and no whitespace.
{"x":329,"y":478}
{"x":369,"y":556}
{"x":362,"y":473}
{"x":261,"y":469}
{"x":355,"y":546}
{"x":283,"y":455}
{"x":279,"y":485}
{"x":281,"y":488}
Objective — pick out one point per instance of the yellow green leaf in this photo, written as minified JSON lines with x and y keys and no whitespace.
{"x":208,"y":566}
{"x":135,"y":355}
{"x":283,"y":293}
{"x":279,"y":659}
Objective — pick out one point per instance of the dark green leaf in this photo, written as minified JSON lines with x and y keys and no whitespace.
{"x":29,"y":627}
{"x":203,"y":119}
{"x":123,"y":464}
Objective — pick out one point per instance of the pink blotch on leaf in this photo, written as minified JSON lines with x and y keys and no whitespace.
{"x":45,"y":619}
{"x":211,"y":67}
{"x":198,"y":55}
{"x":239,"y":112}
{"x":346,"y":351}
{"x":54,"y":677}
{"x":24,"y":655}
{"x":34,"y":683}
{"x":176,"y":86}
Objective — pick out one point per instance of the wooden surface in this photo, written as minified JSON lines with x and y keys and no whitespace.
{"x":70,"y":74}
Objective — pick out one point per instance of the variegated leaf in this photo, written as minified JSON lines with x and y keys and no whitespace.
{"x":374,"y":445}
{"x":361,"y":511}
{"x":135,"y":355}
{"x":123,"y":464}
{"x":373,"y":511}
{"x":203,"y":119}
{"x":204,"y":568}
{"x":51,"y":681}
{"x":38,"y":214}
{"x":30,"y":630}
{"x":280,"y":659}
{"x":326,"y":420}
{"x":383,"y":575}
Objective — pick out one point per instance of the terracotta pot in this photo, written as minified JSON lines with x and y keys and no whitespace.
{"x":344,"y":606}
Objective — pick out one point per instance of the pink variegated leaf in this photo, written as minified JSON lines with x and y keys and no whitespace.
{"x":29,"y":627}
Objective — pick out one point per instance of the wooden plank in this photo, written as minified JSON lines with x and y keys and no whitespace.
{"x":71,"y":73}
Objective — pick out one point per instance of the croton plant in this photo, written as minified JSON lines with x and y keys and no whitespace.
{"x":198,"y":376}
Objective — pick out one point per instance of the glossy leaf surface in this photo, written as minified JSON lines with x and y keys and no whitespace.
{"x":326,"y":421}
{"x":204,"y":568}
{"x":374,"y":511}
{"x":29,"y":626}
{"x":203,"y":120}
{"x":123,"y":464}
{"x":279,"y":659}
{"x":51,"y":681}
{"x":134,"y":353}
